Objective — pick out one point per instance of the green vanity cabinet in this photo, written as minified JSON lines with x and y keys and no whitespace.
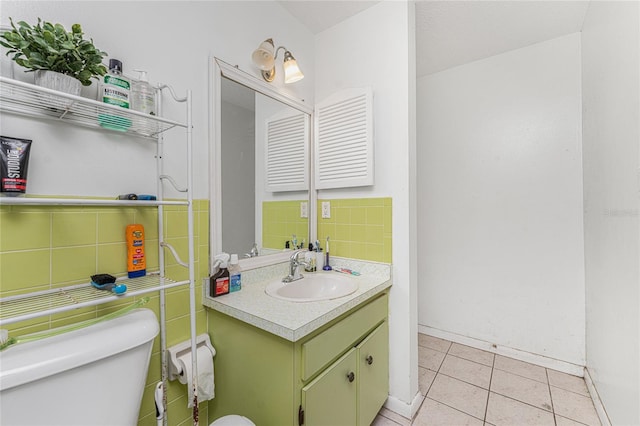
{"x":373,"y":377}
{"x":331,"y":398}
{"x":352,"y":390}
{"x":336,"y":375}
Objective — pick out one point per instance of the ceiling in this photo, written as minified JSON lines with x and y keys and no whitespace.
{"x":451,"y":33}
{"x":318,"y":15}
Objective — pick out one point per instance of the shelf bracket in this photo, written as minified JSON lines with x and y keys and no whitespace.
{"x":173,"y":183}
{"x":174,"y":253}
{"x":173,"y":94}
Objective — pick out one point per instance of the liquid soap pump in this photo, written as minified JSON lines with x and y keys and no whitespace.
{"x":143,"y":97}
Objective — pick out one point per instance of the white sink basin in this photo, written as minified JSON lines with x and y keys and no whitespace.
{"x":313,"y":287}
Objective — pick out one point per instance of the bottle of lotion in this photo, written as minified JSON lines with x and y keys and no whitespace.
{"x":136,"y":263}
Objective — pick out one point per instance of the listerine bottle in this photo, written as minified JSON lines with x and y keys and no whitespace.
{"x":115,"y":88}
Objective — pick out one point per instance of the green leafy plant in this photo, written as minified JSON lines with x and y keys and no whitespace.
{"x":48,"y":46}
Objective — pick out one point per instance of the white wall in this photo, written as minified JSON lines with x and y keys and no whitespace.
{"x":359,"y":52}
{"x":238,"y":178}
{"x":611,"y":97}
{"x":173,"y":41}
{"x":500,"y":200}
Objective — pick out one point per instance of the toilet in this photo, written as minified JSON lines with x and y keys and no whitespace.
{"x":94,"y":375}
{"x":233,"y":420}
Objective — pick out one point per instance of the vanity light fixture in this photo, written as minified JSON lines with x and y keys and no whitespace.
{"x":264,"y":57}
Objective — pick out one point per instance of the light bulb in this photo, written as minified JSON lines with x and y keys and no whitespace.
{"x":292,"y":72}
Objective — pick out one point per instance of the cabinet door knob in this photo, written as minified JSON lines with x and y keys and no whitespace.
{"x":351,"y":377}
{"x":369,"y":360}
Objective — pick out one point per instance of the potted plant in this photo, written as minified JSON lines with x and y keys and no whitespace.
{"x":61,"y":60}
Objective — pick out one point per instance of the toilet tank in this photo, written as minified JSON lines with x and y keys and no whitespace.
{"x":92,"y":376}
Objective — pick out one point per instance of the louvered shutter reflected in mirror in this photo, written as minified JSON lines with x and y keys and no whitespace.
{"x":287,"y":153}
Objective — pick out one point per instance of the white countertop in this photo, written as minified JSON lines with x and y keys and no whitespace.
{"x":294,"y":320}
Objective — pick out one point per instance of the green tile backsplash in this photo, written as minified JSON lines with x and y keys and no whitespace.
{"x":359,"y":228}
{"x":47,"y":247}
{"x":280,"y":221}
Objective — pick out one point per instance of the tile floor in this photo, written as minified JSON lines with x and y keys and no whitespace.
{"x":467,"y":386}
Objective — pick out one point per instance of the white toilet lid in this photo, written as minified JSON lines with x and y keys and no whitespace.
{"x":232,"y":420}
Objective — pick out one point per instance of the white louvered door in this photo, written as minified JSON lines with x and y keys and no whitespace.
{"x":344,"y":140}
{"x":287,"y":153}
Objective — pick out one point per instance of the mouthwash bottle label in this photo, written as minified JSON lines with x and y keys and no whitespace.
{"x":116,"y":91}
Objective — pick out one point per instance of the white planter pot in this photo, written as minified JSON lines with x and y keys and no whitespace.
{"x":57,"y":81}
{"x":60,"y":82}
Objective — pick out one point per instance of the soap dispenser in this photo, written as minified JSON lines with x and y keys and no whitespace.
{"x":310,"y":259}
{"x":143,"y":95}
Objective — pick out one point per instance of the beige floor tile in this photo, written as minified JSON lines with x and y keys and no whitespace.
{"x":457,"y":394}
{"x":429,"y":358}
{"x":574,"y":406}
{"x":383,"y":421}
{"x":434,"y":343}
{"x":503,"y":411}
{"x":425,"y":379}
{"x":521,"y":368}
{"x":522,"y":389}
{"x":395,"y":417}
{"x":433,"y":413}
{"x":567,"y":382}
{"x":467,"y":371}
{"x":472,"y":354}
{"x":562,"y":421}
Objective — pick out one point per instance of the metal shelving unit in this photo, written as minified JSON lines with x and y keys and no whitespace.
{"x":38,"y":201}
{"x":32,"y":101}
{"x":64,"y":299}
{"x":27,"y":99}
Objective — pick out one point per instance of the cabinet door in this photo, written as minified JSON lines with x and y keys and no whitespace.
{"x":373,"y":374}
{"x":330,"y":399}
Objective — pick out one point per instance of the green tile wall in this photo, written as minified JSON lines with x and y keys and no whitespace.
{"x":280,"y":220}
{"x":358,"y":228}
{"x":43,"y":247}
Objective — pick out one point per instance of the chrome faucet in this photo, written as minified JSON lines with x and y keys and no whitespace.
{"x":294,"y":263}
{"x":253,"y":252}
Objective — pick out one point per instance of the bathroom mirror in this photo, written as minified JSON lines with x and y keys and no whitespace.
{"x":259,"y":167}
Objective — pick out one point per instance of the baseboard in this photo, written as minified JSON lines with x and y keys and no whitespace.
{"x":597,"y":402}
{"x":402,"y":408}
{"x":541,"y":360}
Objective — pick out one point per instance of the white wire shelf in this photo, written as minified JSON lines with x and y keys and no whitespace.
{"x":34,"y":201}
{"x":27,"y":99}
{"x":37,"y":304}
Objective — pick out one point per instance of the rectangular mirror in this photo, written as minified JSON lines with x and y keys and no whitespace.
{"x":260,"y":167}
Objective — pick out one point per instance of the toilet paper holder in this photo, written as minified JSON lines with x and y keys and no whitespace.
{"x":183,"y":348}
